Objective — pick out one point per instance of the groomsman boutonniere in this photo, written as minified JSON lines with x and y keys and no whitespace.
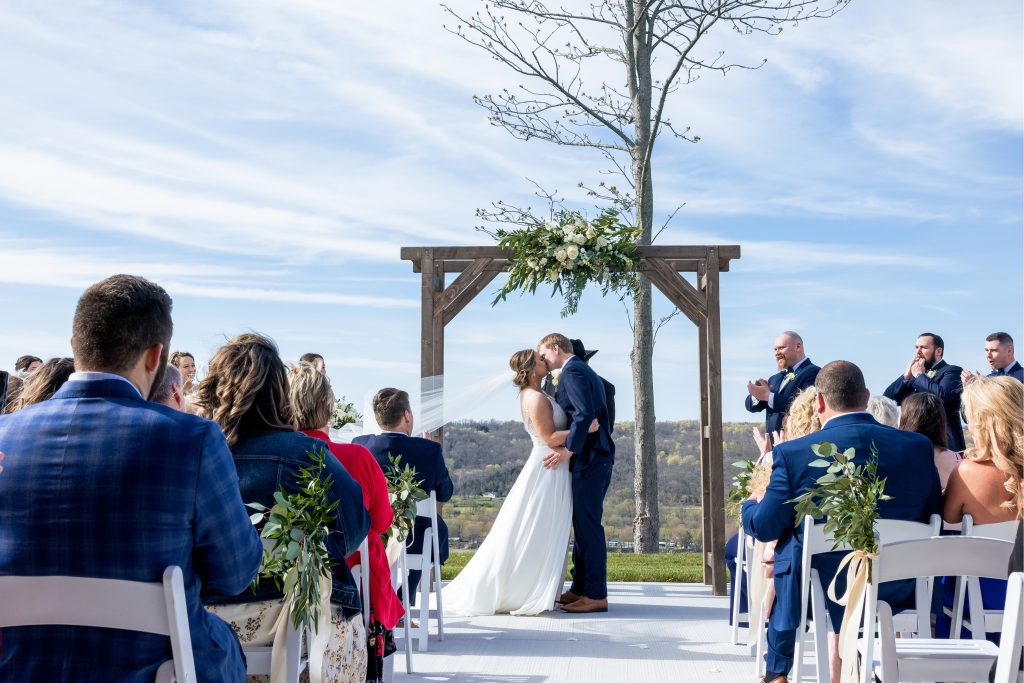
{"x":555,"y":374}
{"x":790,"y":376}
{"x":931,"y":374}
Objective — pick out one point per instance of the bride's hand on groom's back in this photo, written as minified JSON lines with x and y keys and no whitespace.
{"x":594,"y":426}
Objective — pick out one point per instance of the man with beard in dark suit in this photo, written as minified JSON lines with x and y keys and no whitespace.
{"x":775,"y":394}
{"x":928,"y":372}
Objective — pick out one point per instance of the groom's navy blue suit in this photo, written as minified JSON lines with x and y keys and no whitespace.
{"x":581,"y":394}
{"x":907,"y":463}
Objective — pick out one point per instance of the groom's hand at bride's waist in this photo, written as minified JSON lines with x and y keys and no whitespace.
{"x":556,"y":457}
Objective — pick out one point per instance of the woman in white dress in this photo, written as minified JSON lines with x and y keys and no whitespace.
{"x":520,"y":566}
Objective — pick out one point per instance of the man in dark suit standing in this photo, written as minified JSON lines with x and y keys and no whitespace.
{"x":394,"y":415}
{"x":591,"y":456}
{"x":999,"y":354}
{"x":100,"y":482}
{"x":775,"y":394}
{"x":905,"y":460}
{"x":927,"y":371}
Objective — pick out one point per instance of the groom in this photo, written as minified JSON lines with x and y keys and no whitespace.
{"x":590,"y":456}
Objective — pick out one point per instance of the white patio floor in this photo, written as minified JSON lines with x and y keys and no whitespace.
{"x":653,"y":632}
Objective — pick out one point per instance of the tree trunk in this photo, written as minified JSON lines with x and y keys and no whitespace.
{"x":647,"y":523}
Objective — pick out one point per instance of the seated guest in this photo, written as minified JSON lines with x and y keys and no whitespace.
{"x":885,"y":410}
{"x":100,"y":482}
{"x":169,"y":391}
{"x":924,"y":414}
{"x":394,"y":415}
{"x":26,"y":365}
{"x":312,"y":402}
{"x":987,"y":483}
{"x":44,"y":382}
{"x":11,"y":390}
{"x":906,"y":462}
{"x":316,"y":360}
{"x":186,"y":364}
{"x":246,"y":393}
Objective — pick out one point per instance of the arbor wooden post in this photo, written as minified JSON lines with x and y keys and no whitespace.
{"x":478,"y":266}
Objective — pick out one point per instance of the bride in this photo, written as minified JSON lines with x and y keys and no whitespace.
{"x":520,"y":566}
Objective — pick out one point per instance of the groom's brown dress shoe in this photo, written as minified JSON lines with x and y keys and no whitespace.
{"x":568,"y":597}
{"x":586,"y":606}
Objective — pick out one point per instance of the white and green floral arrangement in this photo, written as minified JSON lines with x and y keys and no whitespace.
{"x":569,"y":252}
{"x":344,"y":413}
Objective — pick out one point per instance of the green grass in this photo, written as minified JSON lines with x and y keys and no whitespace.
{"x":674,"y":568}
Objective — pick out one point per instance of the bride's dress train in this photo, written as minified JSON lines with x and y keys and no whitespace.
{"x":519,"y":566}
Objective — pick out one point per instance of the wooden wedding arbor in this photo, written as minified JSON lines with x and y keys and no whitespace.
{"x":476,"y":267}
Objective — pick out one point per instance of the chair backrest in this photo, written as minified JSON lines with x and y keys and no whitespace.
{"x":157,"y":608}
{"x":945,"y":556}
{"x":362,"y":576}
{"x":428,"y":508}
{"x":1012,"y":637}
{"x":1002,"y":530}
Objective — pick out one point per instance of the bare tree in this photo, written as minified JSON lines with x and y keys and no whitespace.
{"x":652,"y":45}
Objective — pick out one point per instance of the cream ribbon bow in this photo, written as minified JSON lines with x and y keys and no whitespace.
{"x":853,"y":600}
{"x":316,"y":643}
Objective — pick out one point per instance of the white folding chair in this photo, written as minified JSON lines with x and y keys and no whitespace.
{"x":361,"y":574}
{"x":929,"y":659}
{"x":258,"y":658}
{"x":1012,"y":638}
{"x":739,"y":582}
{"x":993,"y":617}
{"x":816,"y":541}
{"x":428,"y":562}
{"x":400,"y":576}
{"x":157,"y":607}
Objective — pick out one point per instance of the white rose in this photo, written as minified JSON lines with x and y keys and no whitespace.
{"x":572,"y":252}
{"x":552,"y":275}
{"x":560,"y":255}
{"x":579,"y":239}
{"x":544,"y":261}
{"x":579,"y":223}
{"x":590,"y":233}
{"x":601,"y":242}
{"x":570,"y":238}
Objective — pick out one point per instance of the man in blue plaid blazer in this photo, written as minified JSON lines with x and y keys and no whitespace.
{"x":100,"y":482}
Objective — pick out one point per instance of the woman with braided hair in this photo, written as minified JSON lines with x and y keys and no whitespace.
{"x":246,"y":393}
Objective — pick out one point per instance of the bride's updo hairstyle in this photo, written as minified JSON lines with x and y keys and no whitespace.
{"x":522,"y":363}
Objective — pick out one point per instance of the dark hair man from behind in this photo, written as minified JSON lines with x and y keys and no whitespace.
{"x":118,"y":319}
{"x":392,"y":409}
{"x":841,"y":384}
{"x":27,"y":364}
{"x":316,"y":360}
{"x":153,"y":487}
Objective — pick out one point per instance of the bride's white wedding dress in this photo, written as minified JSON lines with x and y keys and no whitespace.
{"x":519,"y":566}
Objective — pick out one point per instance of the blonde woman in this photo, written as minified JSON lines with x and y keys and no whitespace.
{"x":987,"y":483}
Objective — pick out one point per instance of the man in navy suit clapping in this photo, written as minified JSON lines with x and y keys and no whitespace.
{"x":394,"y":415}
{"x":775,"y":394}
{"x":928,"y":372}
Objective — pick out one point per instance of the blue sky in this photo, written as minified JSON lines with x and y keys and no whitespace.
{"x":266,"y":161}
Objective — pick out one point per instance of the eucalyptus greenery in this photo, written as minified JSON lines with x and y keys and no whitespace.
{"x":847,"y":495}
{"x":739,"y":488}
{"x":403,"y":492}
{"x":569,"y":253}
{"x":296,"y":529}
